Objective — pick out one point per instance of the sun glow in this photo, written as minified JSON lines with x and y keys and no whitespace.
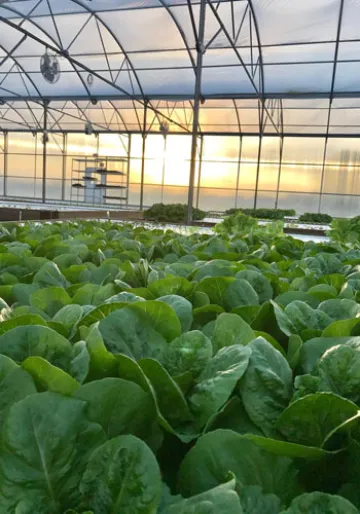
{"x":171,"y":162}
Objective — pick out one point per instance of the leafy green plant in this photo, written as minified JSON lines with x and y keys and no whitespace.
{"x":264,"y":214}
{"x":237,"y":223}
{"x":172,"y":213}
{"x":241,"y":224}
{"x":314,"y":217}
{"x":345,"y":230}
{"x":152,"y":372}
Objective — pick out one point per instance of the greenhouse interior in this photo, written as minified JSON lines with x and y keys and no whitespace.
{"x":234,"y":103}
{"x":179,"y":257}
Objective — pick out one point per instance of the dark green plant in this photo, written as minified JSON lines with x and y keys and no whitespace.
{"x":232,"y":211}
{"x":314,"y":217}
{"x":265,"y":214}
{"x":173,"y":213}
{"x":345,"y":230}
{"x":145,"y":371}
{"x":237,"y":223}
{"x":241,"y":224}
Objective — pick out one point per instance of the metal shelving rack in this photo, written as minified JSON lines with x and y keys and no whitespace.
{"x":94,"y":178}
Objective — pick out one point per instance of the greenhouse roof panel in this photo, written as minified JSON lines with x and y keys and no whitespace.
{"x":128,"y":53}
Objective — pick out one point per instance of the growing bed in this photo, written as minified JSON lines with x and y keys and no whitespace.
{"x":149,"y":371}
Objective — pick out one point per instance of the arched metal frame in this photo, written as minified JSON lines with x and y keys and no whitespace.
{"x":76,"y":65}
{"x":331,"y":97}
{"x":149,"y":112}
{"x":259,"y":89}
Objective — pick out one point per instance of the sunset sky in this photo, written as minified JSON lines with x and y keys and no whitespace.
{"x":220,"y":160}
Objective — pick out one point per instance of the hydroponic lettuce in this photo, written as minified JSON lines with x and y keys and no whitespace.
{"x":148,"y":372}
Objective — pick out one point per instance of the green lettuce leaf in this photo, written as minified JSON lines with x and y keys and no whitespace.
{"x":216,"y":454}
{"x":35,"y":340}
{"x":50,"y":300}
{"x":119,"y":406}
{"x":46,"y":442}
{"x":122,"y":477}
{"x":131,"y":333}
{"x":320,"y":503}
{"x":259,"y":282}
{"x":309,"y":420}
{"x":219,"y":499}
{"x":183,"y":309}
{"x":217,"y":381}
{"x":266,"y":387}
{"x":48,"y":377}
{"x":189,"y":352}
{"x":231,"y":329}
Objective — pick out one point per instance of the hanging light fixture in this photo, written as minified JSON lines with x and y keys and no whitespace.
{"x":89,"y":128}
{"x":50,"y":67}
{"x":45,"y":137}
{"x":164,"y":127}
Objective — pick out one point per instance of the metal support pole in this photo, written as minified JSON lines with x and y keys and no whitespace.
{"x":35,"y":163}
{"x":6,"y":161}
{"x":195,"y":128}
{"x":200,"y":170}
{"x":64,"y":159}
{"x":143,"y":158}
{"x":332,"y":89}
{"x":45,"y":139}
{"x":257,"y":174}
{"x":280,"y":170}
{"x":238,"y":174}
{"x":97,"y":144}
{"x":128,"y":171}
{"x":261,"y":127}
{"x":322,"y":175}
{"x":163,"y":169}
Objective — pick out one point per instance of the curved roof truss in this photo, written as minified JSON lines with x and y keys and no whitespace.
{"x":268,"y":68}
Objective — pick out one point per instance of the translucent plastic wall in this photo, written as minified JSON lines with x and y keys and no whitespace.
{"x":227,"y":169}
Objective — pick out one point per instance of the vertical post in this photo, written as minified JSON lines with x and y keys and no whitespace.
{"x":45,"y":139}
{"x":279,"y":174}
{"x":333,"y":80}
{"x":64,"y":159}
{"x":6,"y":154}
{"x":35,"y":162}
{"x":258,"y":173}
{"x":261,"y":126}
{"x":200,"y":170}
{"x":163,"y":169}
{"x":128,"y":171}
{"x":143,"y":157}
{"x":200,"y":48}
{"x":97,"y":143}
{"x":323,"y":175}
{"x":238,"y":174}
